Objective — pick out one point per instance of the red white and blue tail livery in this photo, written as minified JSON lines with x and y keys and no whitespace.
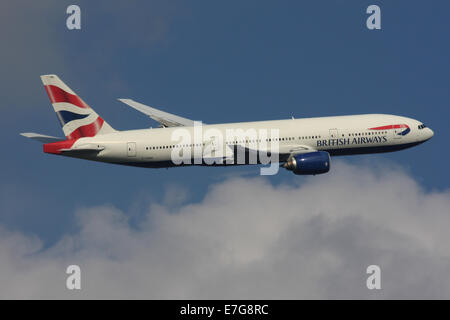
{"x":303,"y":146}
{"x":76,"y":117}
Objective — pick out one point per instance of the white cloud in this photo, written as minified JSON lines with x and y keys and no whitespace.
{"x":250,"y":239}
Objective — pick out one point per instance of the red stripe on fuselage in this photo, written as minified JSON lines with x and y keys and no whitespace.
{"x":88,"y":130}
{"x":392,"y":126}
{"x":56,"y":94}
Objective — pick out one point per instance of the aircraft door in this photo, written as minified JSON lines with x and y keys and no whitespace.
{"x":396,"y":132}
{"x":131,"y":149}
{"x":334,"y":133}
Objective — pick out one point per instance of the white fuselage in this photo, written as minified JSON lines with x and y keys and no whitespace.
{"x":340,"y":135}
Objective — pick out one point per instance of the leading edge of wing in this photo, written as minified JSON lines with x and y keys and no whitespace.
{"x":284,"y":151}
{"x":165,"y":118}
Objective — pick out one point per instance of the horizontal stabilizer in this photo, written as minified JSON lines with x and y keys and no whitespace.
{"x":41,"y":137}
{"x":166,"y":119}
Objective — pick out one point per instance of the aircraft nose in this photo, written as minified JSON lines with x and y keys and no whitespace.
{"x":429,"y":133}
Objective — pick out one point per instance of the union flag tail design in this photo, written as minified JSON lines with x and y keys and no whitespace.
{"x":76,"y":117}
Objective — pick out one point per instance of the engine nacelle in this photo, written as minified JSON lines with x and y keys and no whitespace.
{"x":309,"y":163}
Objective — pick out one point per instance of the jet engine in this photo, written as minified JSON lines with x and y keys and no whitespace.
{"x":309,"y":163}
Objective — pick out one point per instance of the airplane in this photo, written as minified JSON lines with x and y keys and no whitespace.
{"x":303,"y":146}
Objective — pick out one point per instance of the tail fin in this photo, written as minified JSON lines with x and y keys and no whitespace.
{"x":77,"y":118}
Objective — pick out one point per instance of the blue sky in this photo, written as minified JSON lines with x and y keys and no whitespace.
{"x":216,"y":62}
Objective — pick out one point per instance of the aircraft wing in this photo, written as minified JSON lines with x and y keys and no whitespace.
{"x":291,"y":149}
{"x":41,"y":137}
{"x":166,"y":119}
{"x":295,"y":149}
{"x":284,"y":151}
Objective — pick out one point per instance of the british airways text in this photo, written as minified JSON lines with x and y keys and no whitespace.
{"x":350,"y":141}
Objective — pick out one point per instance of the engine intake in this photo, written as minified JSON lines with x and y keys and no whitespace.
{"x":309,"y":163}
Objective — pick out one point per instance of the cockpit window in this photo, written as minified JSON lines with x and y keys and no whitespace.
{"x":422,"y":126}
